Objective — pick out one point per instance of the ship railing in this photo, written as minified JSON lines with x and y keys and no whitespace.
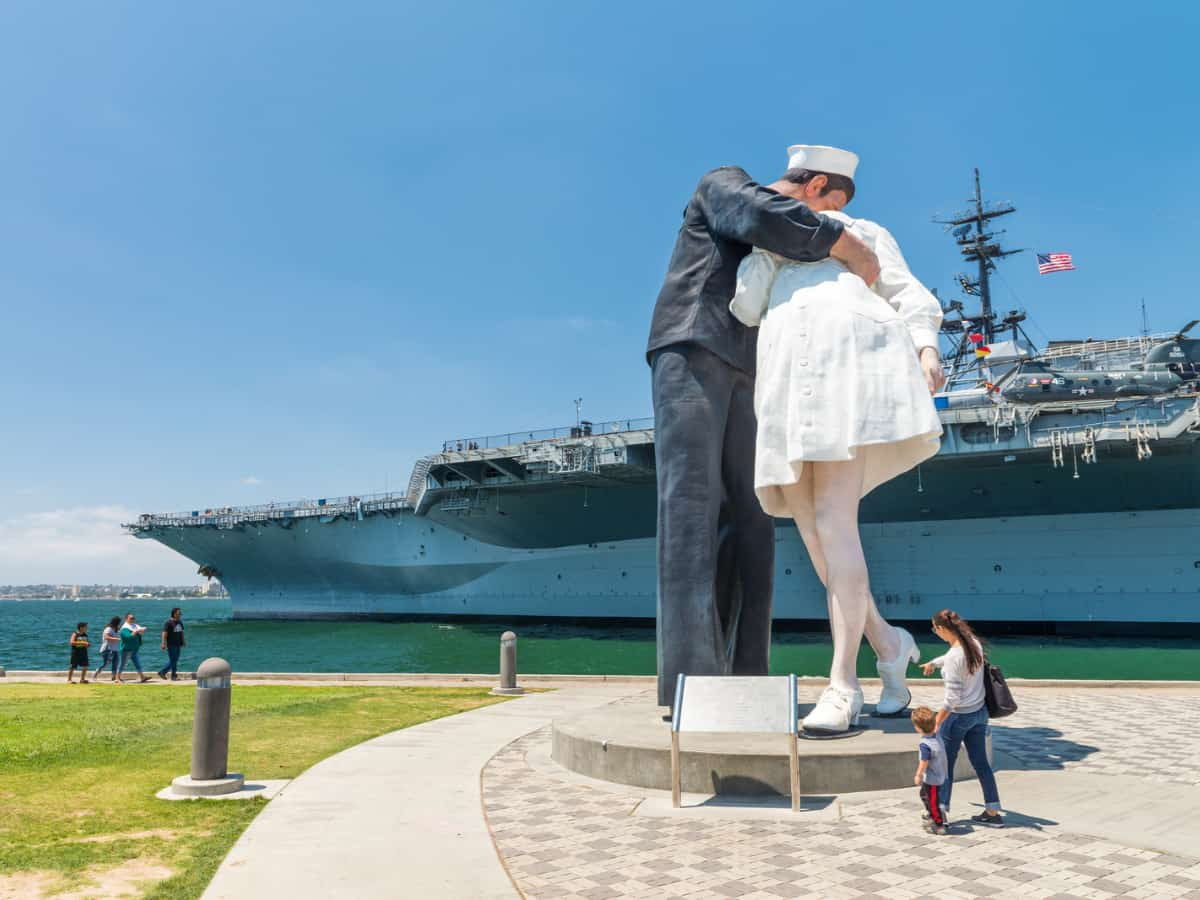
{"x":583,"y":429}
{"x":1164,"y":415}
{"x":230,"y":516}
{"x":1137,"y":346}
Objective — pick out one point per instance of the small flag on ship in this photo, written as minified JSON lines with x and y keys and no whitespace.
{"x":1054,"y":262}
{"x":981,"y":349}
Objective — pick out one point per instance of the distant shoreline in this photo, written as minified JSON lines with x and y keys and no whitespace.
{"x":44,"y":599}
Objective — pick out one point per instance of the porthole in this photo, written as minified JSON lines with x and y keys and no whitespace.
{"x":787,"y":571}
{"x":997,"y":567}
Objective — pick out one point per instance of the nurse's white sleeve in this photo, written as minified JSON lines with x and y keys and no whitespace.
{"x":755,"y":276}
{"x":898,"y":286}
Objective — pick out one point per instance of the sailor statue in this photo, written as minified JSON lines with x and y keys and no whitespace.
{"x":716,"y":545}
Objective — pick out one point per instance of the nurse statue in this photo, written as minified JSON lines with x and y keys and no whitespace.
{"x":846,"y":371}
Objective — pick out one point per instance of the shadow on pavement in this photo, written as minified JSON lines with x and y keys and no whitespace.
{"x":807,"y":802}
{"x":1012,"y":819}
{"x":1036,"y":748}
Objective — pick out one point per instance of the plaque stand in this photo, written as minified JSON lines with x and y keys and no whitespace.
{"x":736,"y":704}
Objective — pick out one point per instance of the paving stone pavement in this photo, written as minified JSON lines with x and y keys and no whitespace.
{"x":562,"y":838}
{"x":1104,"y":732}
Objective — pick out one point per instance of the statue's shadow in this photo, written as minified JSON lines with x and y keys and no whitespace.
{"x":1036,"y":748}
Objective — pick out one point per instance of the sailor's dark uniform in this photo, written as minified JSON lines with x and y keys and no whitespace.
{"x":716,"y":547}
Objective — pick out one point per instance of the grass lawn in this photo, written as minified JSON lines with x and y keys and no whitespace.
{"x":80,"y":764}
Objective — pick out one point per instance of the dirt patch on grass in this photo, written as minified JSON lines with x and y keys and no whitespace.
{"x":125,"y":880}
{"x":164,"y":833}
{"x":25,"y":885}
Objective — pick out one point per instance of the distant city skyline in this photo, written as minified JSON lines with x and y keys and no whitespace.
{"x":266,"y":252}
{"x":40,"y":590}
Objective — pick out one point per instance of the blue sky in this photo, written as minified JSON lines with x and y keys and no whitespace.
{"x":273,"y":250}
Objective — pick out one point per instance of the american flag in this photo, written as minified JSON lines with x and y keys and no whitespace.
{"x":1054,"y":262}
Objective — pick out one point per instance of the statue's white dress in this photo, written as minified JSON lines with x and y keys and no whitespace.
{"x":838,"y":374}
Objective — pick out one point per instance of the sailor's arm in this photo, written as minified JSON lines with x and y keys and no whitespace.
{"x":740,"y":209}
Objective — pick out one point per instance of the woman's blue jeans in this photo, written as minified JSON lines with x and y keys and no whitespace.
{"x":127,"y":655}
{"x":108,"y":657}
{"x":970,"y":729}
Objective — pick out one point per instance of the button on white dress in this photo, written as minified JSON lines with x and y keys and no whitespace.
{"x":838,"y":374}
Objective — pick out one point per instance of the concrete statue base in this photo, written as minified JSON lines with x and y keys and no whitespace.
{"x":629,"y":743}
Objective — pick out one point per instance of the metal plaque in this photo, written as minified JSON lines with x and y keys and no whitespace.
{"x":748,"y":704}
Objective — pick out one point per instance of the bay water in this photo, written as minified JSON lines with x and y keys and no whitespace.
{"x":34,"y":635}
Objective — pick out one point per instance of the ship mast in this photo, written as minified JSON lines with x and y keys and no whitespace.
{"x":979,"y":245}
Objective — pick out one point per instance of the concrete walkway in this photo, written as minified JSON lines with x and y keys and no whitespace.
{"x":429,"y":811}
{"x":400,"y":815}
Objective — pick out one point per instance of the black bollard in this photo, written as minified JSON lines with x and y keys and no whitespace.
{"x":508,"y":666}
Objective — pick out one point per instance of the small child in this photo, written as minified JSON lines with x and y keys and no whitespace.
{"x":79,"y":653}
{"x":931,"y":770}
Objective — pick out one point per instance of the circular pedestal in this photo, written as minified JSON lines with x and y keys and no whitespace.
{"x":186,"y":786}
{"x":629,"y":743}
{"x":508,"y":692}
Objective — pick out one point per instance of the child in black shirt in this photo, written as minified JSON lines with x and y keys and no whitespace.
{"x":79,"y":653}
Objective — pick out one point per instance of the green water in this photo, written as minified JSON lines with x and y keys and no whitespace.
{"x":34,"y":634}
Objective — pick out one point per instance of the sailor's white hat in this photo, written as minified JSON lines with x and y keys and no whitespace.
{"x":816,"y":158}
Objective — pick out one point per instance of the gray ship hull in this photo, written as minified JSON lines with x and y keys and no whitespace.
{"x":1084,"y":571}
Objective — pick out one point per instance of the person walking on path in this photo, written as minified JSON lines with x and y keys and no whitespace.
{"x":110,"y":647}
{"x":963,"y":718}
{"x":79,"y":654}
{"x":716,"y":547}
{"x":931,"y":769}
{"x":173,"y":642}
{"x":131,"y":643}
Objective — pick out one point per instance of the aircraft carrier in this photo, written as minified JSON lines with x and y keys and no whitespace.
{"x":1064,"y":497}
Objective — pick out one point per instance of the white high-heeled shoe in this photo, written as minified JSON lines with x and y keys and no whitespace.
{"x":836,"y":711}
{"x":895,"y":696}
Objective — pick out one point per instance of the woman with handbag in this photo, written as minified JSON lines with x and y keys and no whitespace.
{"x":963,"y":718}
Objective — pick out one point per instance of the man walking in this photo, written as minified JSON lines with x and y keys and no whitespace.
{"x":173,"y":642}
{"x":716,"y":547}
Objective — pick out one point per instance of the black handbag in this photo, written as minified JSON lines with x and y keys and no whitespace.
{"x":997,"y":696}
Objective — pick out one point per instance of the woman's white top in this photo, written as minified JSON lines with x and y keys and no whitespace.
{"x":110,"y":640}
{"x":964,"y":690}
{"x":838,"y":373}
